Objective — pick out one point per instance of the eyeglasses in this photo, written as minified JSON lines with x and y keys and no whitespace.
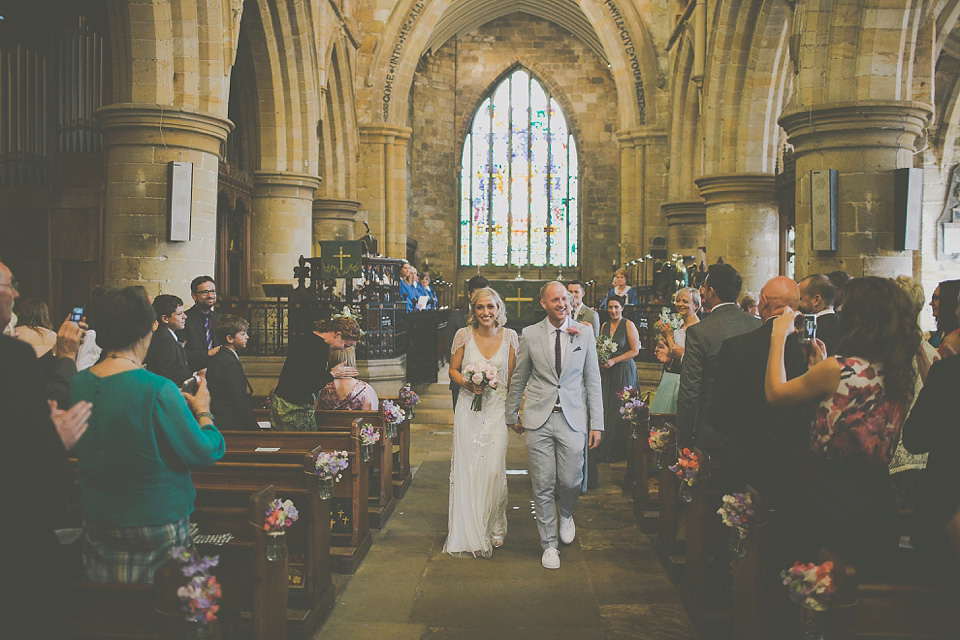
{"x":13,"y":284}
{"x":208,"y":292}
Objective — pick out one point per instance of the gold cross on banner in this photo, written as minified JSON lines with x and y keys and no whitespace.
{"x":518,"y":300}
{"x":342,"y":255}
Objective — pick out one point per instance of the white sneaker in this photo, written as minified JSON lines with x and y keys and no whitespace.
{"x":550,"y":559}
{"x":568,"y":530}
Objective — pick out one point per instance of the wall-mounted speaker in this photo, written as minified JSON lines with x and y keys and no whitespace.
{"x":907,"y":207}
{"x":823,"y":209}
{"x":179,"y":199}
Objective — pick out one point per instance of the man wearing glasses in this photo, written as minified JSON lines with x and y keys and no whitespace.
{"x":198,"y":336}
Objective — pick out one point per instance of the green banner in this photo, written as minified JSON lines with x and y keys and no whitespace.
{"x":340,"y":259}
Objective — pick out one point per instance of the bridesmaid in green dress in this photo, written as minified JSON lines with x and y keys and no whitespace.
{"x":616,"y":373}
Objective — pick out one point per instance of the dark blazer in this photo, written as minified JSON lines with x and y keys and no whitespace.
{"x":744,"y":431}
{"x":56,"y":374}
{"x":828,"y":330}
{"x":195,"y":338}
{"x":703,"y":342}
{"x":230,"y":393}
{"x":35,"y":472}
{"x":165,"y":357}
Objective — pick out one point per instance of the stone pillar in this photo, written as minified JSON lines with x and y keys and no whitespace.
{"x":382,"y":185}
{"x":281,"y":226}
{"x":686,"y":227}
{"x":642,"y":189}
{"x":139,"y":141}
{"x":335,"y":219}
{"x":742,"y":224}
{"x":864,"y":141}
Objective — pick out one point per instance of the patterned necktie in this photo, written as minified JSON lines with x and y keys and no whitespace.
{"x":206,"y":331}
{"x":556,"y":353}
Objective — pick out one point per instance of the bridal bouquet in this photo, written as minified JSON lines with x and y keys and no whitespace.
{"x":202,"y":592}
{"x":483,"y":375}
{"x":810,"y":585}
{"x":672,"y":320}
{"x":280,"y":515}
{"x":606,"y":347}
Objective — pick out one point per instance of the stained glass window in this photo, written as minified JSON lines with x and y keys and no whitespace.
{"x":518,"y":180}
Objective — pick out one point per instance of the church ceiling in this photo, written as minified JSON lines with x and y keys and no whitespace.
{"x":463,"y":16}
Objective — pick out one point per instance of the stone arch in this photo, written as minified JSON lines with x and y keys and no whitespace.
{"x":339,"y":135}
{"x":748,"y":82}
{"x":684,"y":125}
{"x":621,"y":32}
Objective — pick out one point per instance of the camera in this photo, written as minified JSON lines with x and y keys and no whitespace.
{"x":806,"y":326}
{"x":191,"y":384}
{"x":76,"y":315}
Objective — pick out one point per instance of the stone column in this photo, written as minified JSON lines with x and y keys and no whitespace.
{"x":382,"y":185}
{"x":281,"y":226}
{"x":742,"y":224}
{"x":335,"y":219}
{"x":864,"y":141}
{"x":642,"y":189}
{"x":139,"y":141}
{"x":686,"y":227}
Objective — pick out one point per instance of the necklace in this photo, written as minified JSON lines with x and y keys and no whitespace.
{"x":114,"y":356}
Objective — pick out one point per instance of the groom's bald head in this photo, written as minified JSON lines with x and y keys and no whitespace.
{"x":544,"y":290}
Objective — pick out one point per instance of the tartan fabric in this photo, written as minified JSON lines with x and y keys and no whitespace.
{"x":131,"y":554}
{"x":286,"y":416}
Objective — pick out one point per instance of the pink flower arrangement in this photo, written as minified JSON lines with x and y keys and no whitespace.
{"x":688,"y":464}
{"x":202,"y":593}
{"x":482,"y":374}
{"x":369,"y":435}
{"x":810,"y":585}
{"x":280,"y":515}
{"x":408,"y":397}
{"x":392,"y":413}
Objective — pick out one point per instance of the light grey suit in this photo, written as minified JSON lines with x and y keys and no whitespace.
{"x":586,"y":314}
{"x":555,"y":439}
{"x":702,"y":344}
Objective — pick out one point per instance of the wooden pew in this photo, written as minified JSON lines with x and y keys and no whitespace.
{"x":632,"y":476}
{"x":706,"y":537}
{"x":668,"y":522}
{"x":348,"y":525}
{"x":382,"y":500}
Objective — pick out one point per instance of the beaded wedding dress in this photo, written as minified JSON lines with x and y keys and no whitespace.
{"x":477,"y":516}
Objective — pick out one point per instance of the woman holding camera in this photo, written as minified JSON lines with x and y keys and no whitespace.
{"x":841,"y":498}
{"x":144,"y":437}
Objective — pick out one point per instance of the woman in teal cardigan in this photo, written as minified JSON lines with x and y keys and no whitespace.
{"x":143,"y":438}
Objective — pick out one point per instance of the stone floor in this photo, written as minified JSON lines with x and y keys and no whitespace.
{"x":610,"y":584}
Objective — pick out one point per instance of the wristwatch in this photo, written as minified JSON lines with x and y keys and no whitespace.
{"x":205,"y":414}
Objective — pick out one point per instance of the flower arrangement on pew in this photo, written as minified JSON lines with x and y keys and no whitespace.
{"x":393,"y":415}
{"x":630,"y":406}
{"x":369,"y":436}
{"x":658,"y":439}
{"x":408,"y":399}
{"x":280,"y":515}
{"x":737,"y":513}
{"x":687,"y":467}
{"x":201,"y":594}
{"x":812,"y":587}
{"x":606,"y":347}
{"x":328,"y":469}
{"x":483,"y":375}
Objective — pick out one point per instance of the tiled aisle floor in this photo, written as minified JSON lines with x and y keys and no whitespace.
{"x":610,"y":584}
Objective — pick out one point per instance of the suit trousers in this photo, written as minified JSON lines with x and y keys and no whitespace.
{"x":555,"y":452}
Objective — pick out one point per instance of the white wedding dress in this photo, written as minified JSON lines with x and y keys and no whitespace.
{"x":477,"y":516}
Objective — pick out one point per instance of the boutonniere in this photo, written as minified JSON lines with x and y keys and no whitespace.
{"x":573,"y":332}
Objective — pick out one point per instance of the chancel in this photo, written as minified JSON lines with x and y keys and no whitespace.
{"x":355,"y":163}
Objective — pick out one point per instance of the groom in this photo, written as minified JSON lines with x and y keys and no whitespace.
{"x":557,"y":366}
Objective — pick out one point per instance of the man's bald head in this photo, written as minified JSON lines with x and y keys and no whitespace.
{"x":779,"y":292}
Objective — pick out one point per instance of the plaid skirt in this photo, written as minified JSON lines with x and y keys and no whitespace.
{"x":286,"y":416}
{"x":131,"y":554}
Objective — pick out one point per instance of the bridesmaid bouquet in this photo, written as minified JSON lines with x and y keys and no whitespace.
{"x":606,"y":347}
{"x":672,"y":320}
{"x":483,"y":375}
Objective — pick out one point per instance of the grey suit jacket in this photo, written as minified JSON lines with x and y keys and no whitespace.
{"x":578,"y":385}
{"x":586,"y":314}
{"x":703,"y":343}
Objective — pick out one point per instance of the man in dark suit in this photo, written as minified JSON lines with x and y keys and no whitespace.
{"x":719,"y":293}
{"x":198,"y":335}
{"x":165,"y":357}
{"x":229,"y":389}
{"x":817,"y":295}
{"x":457,"y":320}
{"x":761,"y":440}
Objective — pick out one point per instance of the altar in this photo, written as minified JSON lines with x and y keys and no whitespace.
{"x":522,"y":301}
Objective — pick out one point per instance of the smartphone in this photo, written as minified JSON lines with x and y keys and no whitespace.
{"x":806,"y":326}
{"x":191,"y":384}
{"x":76,"y":315}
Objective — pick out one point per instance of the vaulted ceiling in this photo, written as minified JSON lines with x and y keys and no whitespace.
{"x":463,"y":16}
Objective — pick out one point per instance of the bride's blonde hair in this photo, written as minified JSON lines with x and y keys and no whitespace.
{"x":487,"y":292}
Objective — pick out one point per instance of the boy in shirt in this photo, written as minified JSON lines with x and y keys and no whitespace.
{"x":229,"y":389}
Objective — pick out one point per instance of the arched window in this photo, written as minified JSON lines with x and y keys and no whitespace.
{"x":518,"y":180}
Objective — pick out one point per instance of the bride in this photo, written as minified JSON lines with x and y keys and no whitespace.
{"x":477,"y":517}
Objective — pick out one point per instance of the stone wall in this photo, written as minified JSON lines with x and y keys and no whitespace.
{"x":450,"y":85}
